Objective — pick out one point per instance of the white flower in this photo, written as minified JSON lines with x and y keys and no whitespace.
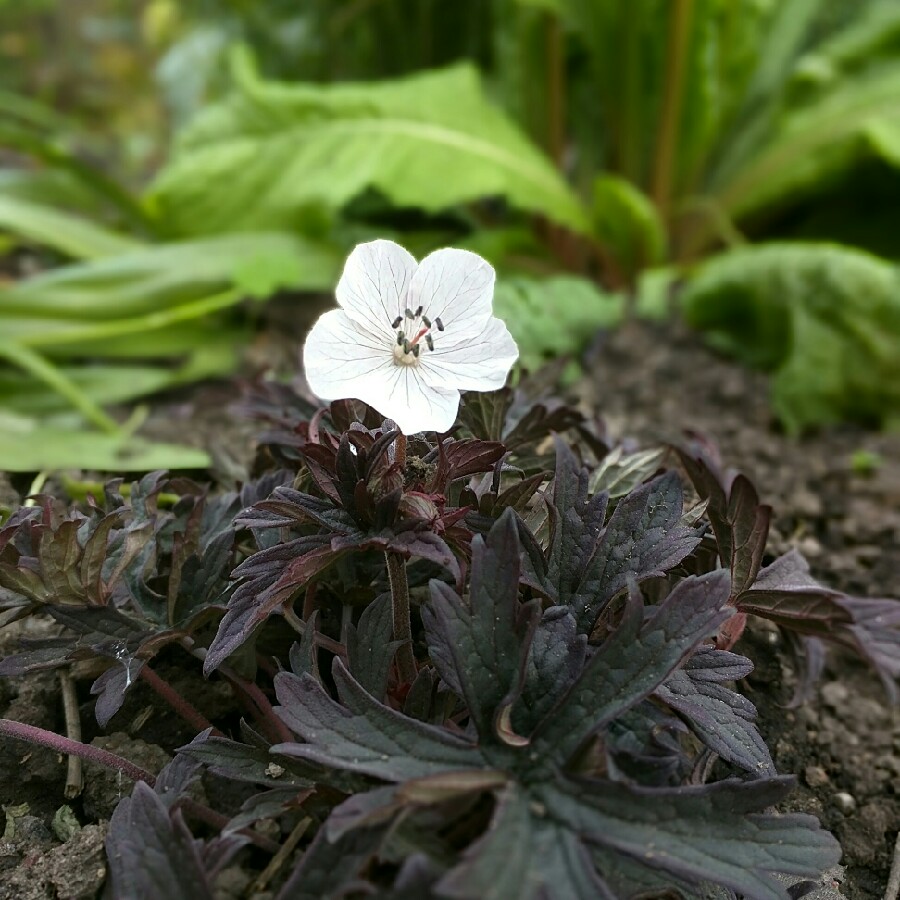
{"x":408,"y":337}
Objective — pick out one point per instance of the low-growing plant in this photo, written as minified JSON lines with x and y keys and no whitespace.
{"x":546,"y":727}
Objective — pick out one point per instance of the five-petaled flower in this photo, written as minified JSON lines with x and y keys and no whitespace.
{"x":409,"y":336}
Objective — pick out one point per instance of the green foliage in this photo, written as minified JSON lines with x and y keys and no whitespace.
{"x":270,"y":152}
{"x":553,"y":317}
{"x":824,"y":319}
{"x":628,"y":225}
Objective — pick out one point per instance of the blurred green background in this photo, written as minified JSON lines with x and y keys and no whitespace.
{"x":165,"y":166}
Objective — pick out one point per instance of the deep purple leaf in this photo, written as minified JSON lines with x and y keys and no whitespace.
{"x":721,"y":718}
{"x":371,"y":648}
{"x":635,"y":660}
{"x":645,"y":537}
{"x":557,"y":657}
{"x":739,"y":521}
{"x":480,"y":647}
{"x":271,"y":584}
{"x":524,"y":856}
{"x":717,"y":833}
{"x":363,"y":735}
{"x":332,"y":869}
{"x":151,"y":853}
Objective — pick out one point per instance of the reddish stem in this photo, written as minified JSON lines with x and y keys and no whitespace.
{"x":184,"y":709}
{"x":44,"y":738}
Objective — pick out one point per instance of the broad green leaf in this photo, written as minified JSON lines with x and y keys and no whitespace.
{"x":69,"y":234}
{"x":812,"y":145}
{"x":108,"y":384}
{"x":28,"y":446}
{"x":156,"y":278}
{"x":270,"y":152}
{"x":825,"y":319}
{"x":628,"y":224}
{"x":554,"y":317}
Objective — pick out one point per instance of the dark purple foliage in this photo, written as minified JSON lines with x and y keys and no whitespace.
{"x":574,"y":614}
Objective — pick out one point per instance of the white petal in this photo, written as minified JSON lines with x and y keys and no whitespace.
{"x":480,"y":363}
{"x":339,"y":356}
{"x":457,"y":287}
{"x":415,"y":405}
{"x":373,"y":289}
{"x":343,"y":361}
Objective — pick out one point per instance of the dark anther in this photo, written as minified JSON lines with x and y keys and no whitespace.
{"x":396,"y":321}
{"x":426,"y":321}
{"x":401,"y":337}
{"x":429,"y":341}
{"x":405,"y":345}
{"x":409,"y":313}
{"x":416,"y":350}
{"x":418,"y":312}
{"x":439,"y":324}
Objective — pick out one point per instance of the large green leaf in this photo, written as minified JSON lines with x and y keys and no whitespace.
{"x":824,"y":318}
{"x":270,"y":152}
{"x":29,"y":446}
{"x":555,"y":316}
{"x":69,"y":234}
{"x":158,"y":277}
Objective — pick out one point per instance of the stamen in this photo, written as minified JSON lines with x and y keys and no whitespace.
{"x":426,"y":321}
{"x":418,"y":311}
{"x":396,"y":321}
{"x":401,"y":337}
{"x":415,"y":351}
{"x":409,"y":313}
{"x":405,"y":345}
{"x":439,"y":323}
{"x":429,"y":341}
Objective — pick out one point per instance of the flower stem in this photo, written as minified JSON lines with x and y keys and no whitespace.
{"x":181,"y":706}
{"x":74,"y":777}
{"x":400,"y":451}
{"x":406,"y":661}
{"x":60,"y":744}
{"x":673,"y":98}
{"x":43,"y":738}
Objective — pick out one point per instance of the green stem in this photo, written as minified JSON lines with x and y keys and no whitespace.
{"x":35,"y":364}
{"x":673,"y":98}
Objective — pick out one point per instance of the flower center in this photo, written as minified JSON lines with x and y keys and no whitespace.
{"x":414,"y":336}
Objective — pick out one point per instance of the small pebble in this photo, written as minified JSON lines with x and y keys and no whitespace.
{"x":815,"y":776}
{"x":844,"y":802}
{"x":834,"y":694}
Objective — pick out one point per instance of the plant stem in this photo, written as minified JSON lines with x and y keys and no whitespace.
{"x":556,"y":90}
{"x":400,"y":451}
{"x":64,"y":745}
{"x":43,"y":370}
{"x":406,"y":661}
{"x":43,"y":738}
{"x":181,"y":706}
{"x":280,"y":858}
{"x":676,"y":64}
{"x":396,"y":568}
{"x":74,"y":779}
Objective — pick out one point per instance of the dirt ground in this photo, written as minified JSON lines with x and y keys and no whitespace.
{"x":651,"y":384}
{"x":836,"y":497}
